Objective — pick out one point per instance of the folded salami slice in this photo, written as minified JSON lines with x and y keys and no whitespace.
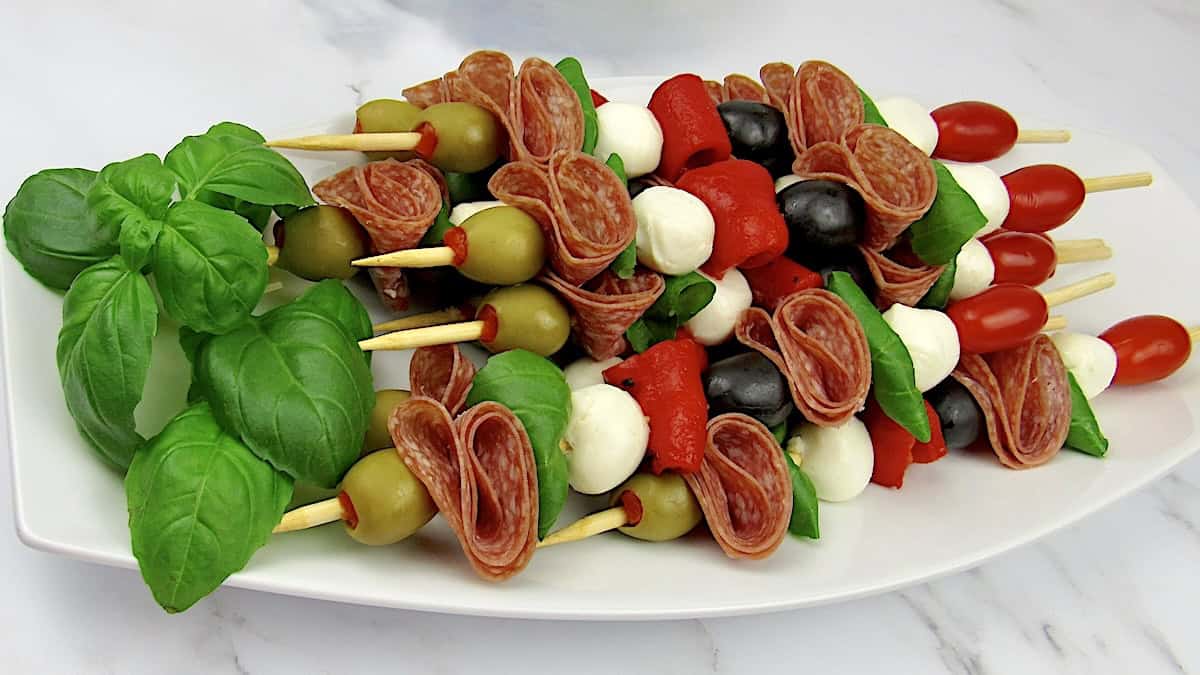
{"x":479,"y":471}
{"x":391,"y":284}
{"x":607,"y":308}
{"x":582,"y":206}
{"x":778,"y":79}
{"x":743,"y":487}
{"x":1026,"y":400}
{"x":824,"y":106}
{"x":395,"y":202}
{"x":817,"y":342}
{"x":428,"y":93}
{"x":443,"y":374}
{"x":716,"y":91}
{"x":741,"y":88}
{"x":897,"y":282}
{"x":545,"y":112}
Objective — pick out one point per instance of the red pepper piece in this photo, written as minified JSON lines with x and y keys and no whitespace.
{"x":665,"y":381}
{"x":750,"y":231}
{"x":456,"y":239}
{"x":428,"y":143}
{"x":778,"y":279}
{"x":597,"y":98}
{"x":693,"y":134}
{"x":893,"y":447}
{"x":935,"y":449}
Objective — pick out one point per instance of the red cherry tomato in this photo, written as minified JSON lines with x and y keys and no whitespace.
{"x":973,"y":131}
{"x":1022,"y":258}
{"x":1002,"y":317}
{"x":1149,"y":348}
{"x":1042,"y":197}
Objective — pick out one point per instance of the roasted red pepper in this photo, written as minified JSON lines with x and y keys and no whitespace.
{"x":665,"y":381}
{"x":693,"y":134}
{"x":598,"y":98}
{"x":935,"y":449}
{"x":893,"y":447}
{"x":778,"y":279}
{"x":741,"y":196}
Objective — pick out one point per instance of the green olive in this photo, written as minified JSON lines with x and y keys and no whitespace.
{"x":318,"y":242}
{"x":504,"y":247}
{"x":389,"y":501}
{"x":527,"y":317}
{"x":669,"y":509}
{"x":468,"y":137}
{"x":378,"y":436}
{"x":387,"y":114}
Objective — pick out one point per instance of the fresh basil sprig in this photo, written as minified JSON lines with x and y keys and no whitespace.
{"x":1085,"y":434}
{"x":939,"y":294}
{"x":572,"y":72}
{"x":626,"y":262}
{"x":871,"y":114}
{"x":892,"y":376}
{"x":805,"y":521}
{"x":231,"y":160}
{"x":949,"y":223}
{"x":441,"y":225}
{"x":682,"y":299}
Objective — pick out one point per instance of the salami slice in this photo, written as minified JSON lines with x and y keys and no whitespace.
{"x":391,"y":284}
{"x":479,"y":471}
{"x":897,"y":282}
{"x":427,"y":93}
{"x":817,"y":342}
{"x":741,"y":88}
{"x":715,"y":91}
{"x":395,"y":202}
{"x":443,"y":374}
{"x":545,"y":113}
{"x":583,"y":208}
{"x":1026,"y":400}
{"x":824,"y":106}
{"x":778,"y":79}
{"x":605,"y":310}
{"x":743,"y":487}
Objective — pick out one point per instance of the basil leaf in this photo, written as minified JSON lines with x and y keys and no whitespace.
{"x":200,"y":504}
{"x":228,"y":162}
{"x":780,"y":433}
{"x":624,"y":264}
{"x":331,"y":298}
{"x":871,"y":114}
{"x":132,"y":197}
{"x":258,"y":215}
{"x":572,"y":72}
{"x":939,"y":294}
{"x":892,"y":376}
{"x":537,"y":393}
{"x":441,"y":225}
{"x":805,"y":521}
{"x":617,"y":164}
{"x":211,"y":268}
{"x":949,"y":223}
{"x":294,"y":386}
{"x":109,"y":320}
{"x":192,"y":342}
{"x":471,"y":187}
{"x":50,"y":230}
{"x":682,"y":299}
{"x":1085,"y":434}
{"x":236,"y":130}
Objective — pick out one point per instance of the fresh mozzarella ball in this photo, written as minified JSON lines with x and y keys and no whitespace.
{"x":605,"y":439}
{"x":585,"y":372}
{"x":461,"y":212}
{"x":784,"y":181}
{"x":911,"y":120}
{"x":986,"y":188}
{"x":632,"y":132}
{"x":931,"y":340}
{"x":838,"y":460}
{"x":675,"y":230}
{"x":974,"y":270}
{"x":1091,"y":360}
{"x":714,"y":324}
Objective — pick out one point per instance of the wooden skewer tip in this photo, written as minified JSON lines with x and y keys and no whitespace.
{"x":1194,"y":333}
{"x":429,"y":336}
{"x":436,"y":318}
{"x":436,"y":256}
{"x":588,"y":526}
{"x":1118,"y":182}
{"x":383,"y":141}
{"x":1080,"y":289}
{"x":312,"y":515}
{"x":1056,"y":322}
{"x":1043,"y":136}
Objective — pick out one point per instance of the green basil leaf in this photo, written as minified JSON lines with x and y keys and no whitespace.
{"x":232,"y":164}
{"x":625,"y":263}
{"x":331,"y":298}
{"x":471,"y":187}
{"x":294,"y":386}
{"x":949,"y":223}
{"x":1085,"y":434}
{"x":110,"y":317}
{"x":779,"y":431}
{"x":871,"y":114}
{"x":682,"y":299}
{"x":258,"y":215}
{"x":137,"y":239}
{"x":537,"y":393}
{"x":192,"y":342}
{"x":805,"y":521}
{"x":200,"y":504}
{"x":892,"y":376}
{"x":50,"y":230}
{"x":211,"y":268}
{"x":938,"y":295}
{"x":617,"y":164}
{"x":236,"y":130}
{"x":441,"y":225}
{"x":132,"y":197}
{"x":572,"y":72}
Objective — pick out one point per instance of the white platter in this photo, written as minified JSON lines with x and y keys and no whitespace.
{"x":949,"y":516}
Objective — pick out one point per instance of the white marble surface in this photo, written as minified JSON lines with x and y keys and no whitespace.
{"x":84,"y":83}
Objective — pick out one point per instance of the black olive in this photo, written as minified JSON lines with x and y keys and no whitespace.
{"x":821,"y":216}
{"x":849,"y":261}
{"x":750,"y":384}
{"x":759,"y":133}
{"x":961,"y":418}
{"x":637,"y":185}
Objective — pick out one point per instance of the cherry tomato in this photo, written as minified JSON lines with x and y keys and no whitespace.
{"x":1002,"y":317}
{"x":1022,"y":258}
{"x":1149,"y":348}
{"x":1042,"y":197}
{"x":973,"y":131}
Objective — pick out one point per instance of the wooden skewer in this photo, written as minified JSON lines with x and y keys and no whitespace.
{"x":588,"y":526}
{"x":434,"y":256}
{"x":450,"y":333}
{"x":1056,"y":322}
{"x":435,"y":318}
{"x":396,"y":140}
{"x":1194,"y":333}
{"x":1119,"y":182}
{"x":272,"y":287}
{"x":312,"y":515}
{"x":272,"y":255}
{"x":1080,"y":289}
{"x":1043,"y":136}
{"x":1088,"y":250}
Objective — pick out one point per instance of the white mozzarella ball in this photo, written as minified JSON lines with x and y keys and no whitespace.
{"x":1091,"y":360}
{"x":974,"y":270}
{"x":931,"y":340}
{"x":460,"y":213}
{"x":605,"y":439}
{"x":838,"y":460}
{"x":714,"y":324}
{"x":632,"y":132}
{"x":988,"y":191}
{"x":784,"y":181}
{"x":911,"y":120}
{"x":675,"y":230}
{"x":586,"y":372}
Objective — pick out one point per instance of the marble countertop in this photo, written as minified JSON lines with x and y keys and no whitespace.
{"x":83,"y":82}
